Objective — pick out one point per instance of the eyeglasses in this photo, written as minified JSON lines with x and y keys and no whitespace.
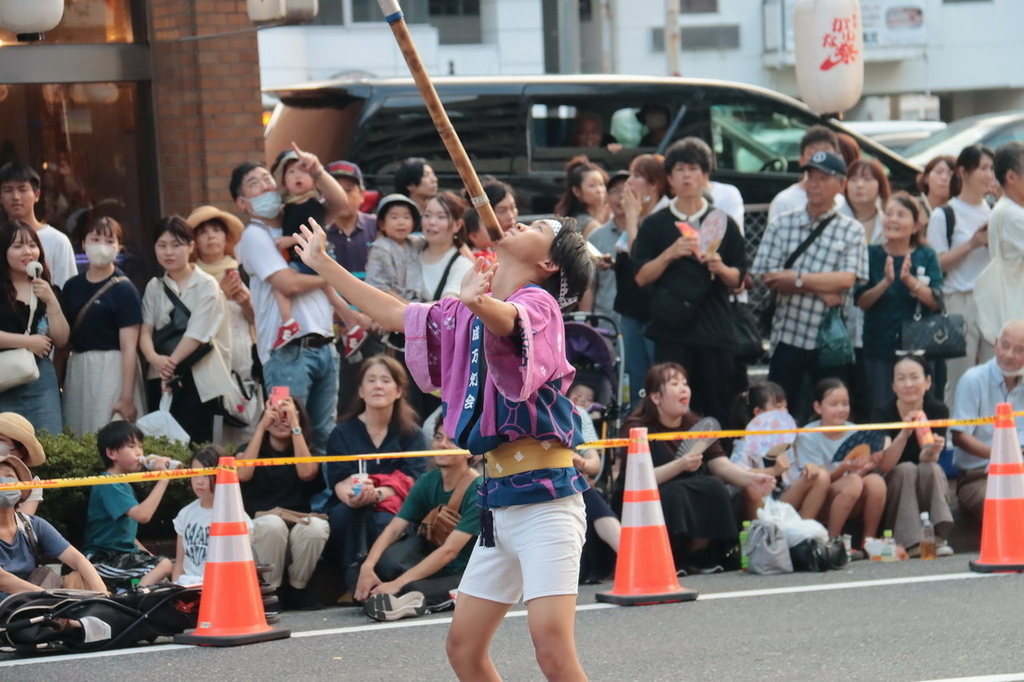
{"x":911,"y":353}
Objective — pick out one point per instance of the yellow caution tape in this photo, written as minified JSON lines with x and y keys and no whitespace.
{"x":150,"y":476}
{"x":740,"y":433}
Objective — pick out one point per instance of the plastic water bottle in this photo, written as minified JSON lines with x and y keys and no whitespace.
{"x":927,"y":545}
{"x":744,"y":558}
{"x":149,"y":462}
{"x":889,"y":550}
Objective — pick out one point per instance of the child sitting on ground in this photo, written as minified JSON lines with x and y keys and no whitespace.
{"x":302,"y":202}
{"x":114,"y":513}
{"x":764,"y":406}
{"x":192,"y":524}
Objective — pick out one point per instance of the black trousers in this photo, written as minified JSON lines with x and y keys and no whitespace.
{"x":709,"y":371}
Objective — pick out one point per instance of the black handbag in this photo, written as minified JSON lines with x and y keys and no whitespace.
{"x":167,"y":337}
{"x":940,"y":335}
{"x":746,"y":334}
{"x":817,"y":556}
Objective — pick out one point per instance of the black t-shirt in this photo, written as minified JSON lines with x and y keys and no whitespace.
{"x":297,"y":215}
{"x":688,"y":307}
{"x":278,"y":486}
{"x":120,"y":306}
{"x":631,"y":299}
{"x":935,"y":409}
{"x":15,"y":320}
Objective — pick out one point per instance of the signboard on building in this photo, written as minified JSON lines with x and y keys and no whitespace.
{"x":886,"y":24}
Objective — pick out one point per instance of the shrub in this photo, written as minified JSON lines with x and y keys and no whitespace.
{"x":72,"y":457}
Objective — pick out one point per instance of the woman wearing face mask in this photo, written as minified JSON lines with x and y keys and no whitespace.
{"x":105,"y":311}
{"x":19,"y":557}
{"x":18,"y":438}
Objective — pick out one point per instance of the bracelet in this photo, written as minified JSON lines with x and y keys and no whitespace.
{"x":380,"y":495}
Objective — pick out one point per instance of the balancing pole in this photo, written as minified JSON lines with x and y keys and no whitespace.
{"x":393,"y":15}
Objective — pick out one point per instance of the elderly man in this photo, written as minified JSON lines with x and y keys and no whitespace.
{"x":980,"y":389}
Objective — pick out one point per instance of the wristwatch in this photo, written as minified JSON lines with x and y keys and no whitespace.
{"x":296,"y":430}
{"x":799,"y":281}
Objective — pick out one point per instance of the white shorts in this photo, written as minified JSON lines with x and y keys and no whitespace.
{"x":536,"y":553}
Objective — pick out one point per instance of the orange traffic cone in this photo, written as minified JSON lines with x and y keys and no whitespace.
{"x":644,"y":572}
{"x":1002,"y":527}
{"x":230,"y":607}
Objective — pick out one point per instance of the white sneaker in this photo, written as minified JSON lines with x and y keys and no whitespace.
{"x":942,"y":548}
{"x":386,"y":607}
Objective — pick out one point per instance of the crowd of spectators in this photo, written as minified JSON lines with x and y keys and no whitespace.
{"x":233,"y":303}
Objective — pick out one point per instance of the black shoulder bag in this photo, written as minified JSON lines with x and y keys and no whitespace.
{"x":768,"y":314}
{"x":444,"y":277}
{"x":167,"y":337}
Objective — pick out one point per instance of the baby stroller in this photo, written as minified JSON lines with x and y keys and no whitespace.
{"x":71,"y":621}
{"x":593,"y":345}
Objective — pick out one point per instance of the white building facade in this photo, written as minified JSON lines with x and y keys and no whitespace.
{"x":960,"y":50}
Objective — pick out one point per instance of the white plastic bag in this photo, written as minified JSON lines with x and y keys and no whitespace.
{"x":161,"y":423}
{"x":788,"y":519}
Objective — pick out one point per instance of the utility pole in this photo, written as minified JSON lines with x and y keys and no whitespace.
{"x":672,"y":37}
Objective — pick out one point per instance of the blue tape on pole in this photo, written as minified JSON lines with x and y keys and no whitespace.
{"x":392,"y":18}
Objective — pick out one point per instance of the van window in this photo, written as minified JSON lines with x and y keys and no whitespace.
{"x":487,"y":125}
{"x":754,"y":139}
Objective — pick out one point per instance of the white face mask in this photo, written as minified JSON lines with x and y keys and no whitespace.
{"x":100,"y":255}
{"x":9,"y":498}
{"x":266,"y":205}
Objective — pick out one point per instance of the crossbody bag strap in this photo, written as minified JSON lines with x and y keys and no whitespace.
{"x":806,"y":243}
{"x":444,"y":277}
{"x":455,"y":502}
{"x":92,"y":299}
{"x":25,"y":526}
{"x":175,"y":301}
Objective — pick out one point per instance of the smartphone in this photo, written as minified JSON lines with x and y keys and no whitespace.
{"x":279,"y":393}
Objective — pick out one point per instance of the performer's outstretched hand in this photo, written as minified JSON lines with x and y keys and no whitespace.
{"x":477,"y":282}
{"x":311,"y":244}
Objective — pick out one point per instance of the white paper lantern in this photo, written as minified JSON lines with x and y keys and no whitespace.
{"x":829,"y":44}
{"x":30,"y":19}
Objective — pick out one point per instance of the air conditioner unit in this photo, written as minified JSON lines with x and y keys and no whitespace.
{"x":280,"y":12}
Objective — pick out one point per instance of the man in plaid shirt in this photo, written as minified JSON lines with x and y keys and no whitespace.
{"x":820,"y":278}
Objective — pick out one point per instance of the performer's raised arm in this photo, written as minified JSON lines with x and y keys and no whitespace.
{"x":386,"y":310}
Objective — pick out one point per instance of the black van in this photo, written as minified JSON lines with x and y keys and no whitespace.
{"x":520,"y":129}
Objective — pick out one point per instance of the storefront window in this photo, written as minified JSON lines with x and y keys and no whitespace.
{"x":85,"y":141}
{"x":89,"y":21}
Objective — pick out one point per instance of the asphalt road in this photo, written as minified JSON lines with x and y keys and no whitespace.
{"x":910,"y":621}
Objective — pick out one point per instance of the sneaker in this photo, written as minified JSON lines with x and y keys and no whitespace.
{"x":386,"y":607}
{"x":285,"y":333}
{"x":858,"y":555}
{"x":707,"y":570}
{"x":942,"y":548}
{"x":354,"y":339}
{"x":914,"y":552}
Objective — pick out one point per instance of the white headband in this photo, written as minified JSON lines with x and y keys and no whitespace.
{"x":555,"y":225}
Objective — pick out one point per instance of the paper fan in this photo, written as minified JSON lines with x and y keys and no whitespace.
{"x":712,"y":231}
{"x":775,"y":420}
{"x":859,"y":444}
{"x":699,"y":445}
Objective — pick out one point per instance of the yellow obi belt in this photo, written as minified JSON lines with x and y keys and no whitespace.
{"x":527,"y":454}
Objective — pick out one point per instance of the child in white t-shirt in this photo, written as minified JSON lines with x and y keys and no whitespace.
{"x":192,"y":524}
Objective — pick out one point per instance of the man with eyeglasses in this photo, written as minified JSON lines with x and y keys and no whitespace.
{"x":979,"y":391}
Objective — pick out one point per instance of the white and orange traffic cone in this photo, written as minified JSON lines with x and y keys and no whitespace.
{"x":1002,"y":526}
{"x":645,"y":572}
{"x":231,"y":606}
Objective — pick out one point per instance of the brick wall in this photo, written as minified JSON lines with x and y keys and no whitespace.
{"x":208,"y":113}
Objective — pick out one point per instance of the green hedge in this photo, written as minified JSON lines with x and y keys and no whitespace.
{"x":70,"y":457}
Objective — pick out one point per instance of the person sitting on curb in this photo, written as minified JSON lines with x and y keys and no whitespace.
{"x":426,"y":585}
{"x":24,"y":538}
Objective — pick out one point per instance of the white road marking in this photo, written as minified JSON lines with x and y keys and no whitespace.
{"x":1012,"y":677}
{"x":518,"y":613}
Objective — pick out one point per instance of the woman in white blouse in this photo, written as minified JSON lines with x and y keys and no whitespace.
{"x":442,"y":262}
{"x":185,"y":356}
